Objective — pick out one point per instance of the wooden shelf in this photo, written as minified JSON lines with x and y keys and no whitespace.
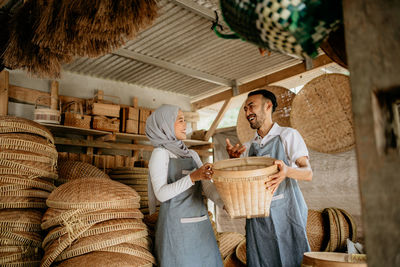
{"x":61,"y":129}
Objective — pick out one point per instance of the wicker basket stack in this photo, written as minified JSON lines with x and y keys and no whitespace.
{"x":28,"y":159}
{"x":69,"y":170}
{"x":136,"y":178}
{"x":91,"y":218}
{"x":228,"y":243}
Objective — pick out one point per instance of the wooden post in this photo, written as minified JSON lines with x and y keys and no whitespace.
{"x":4,"y":84}
{"x":135,"y":102}
{"x":218,"y":119}
{"x":372,"y":45}
{"x":54,"y":95}
{"x":100,"y":95}
{"x":89,"y":150}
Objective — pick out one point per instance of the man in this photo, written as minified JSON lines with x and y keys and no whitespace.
{"x":280,"y":239}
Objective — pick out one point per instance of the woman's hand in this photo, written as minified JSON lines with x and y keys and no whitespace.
{"x":277,"y":178}
{"x":203,"y":173}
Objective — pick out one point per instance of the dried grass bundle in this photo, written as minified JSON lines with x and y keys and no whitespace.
{"x":4,"y":35}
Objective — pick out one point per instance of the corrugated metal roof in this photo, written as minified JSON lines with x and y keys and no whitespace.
{"x":183,"y":38}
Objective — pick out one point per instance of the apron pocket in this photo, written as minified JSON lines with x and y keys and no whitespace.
{"x":194,"y":219}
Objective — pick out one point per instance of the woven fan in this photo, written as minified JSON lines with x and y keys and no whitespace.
{"x":322,"y":113}
{"x":281,"y":115}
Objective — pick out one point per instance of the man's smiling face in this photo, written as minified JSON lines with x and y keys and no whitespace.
{"x":255,"y":111}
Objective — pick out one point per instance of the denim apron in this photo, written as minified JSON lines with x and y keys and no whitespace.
{"x":281,"y":238}
{"x":184,"y":235}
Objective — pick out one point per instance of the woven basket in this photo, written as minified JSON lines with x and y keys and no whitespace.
{"x":145,"y":242}
{"x":98,"y":242}
{"x":11,"y":124}
{"x":315,"y":230}
{"x":241,"y":252}
{"x":232,"y":261}
{"x":241,"y":185}
{"x":76,"y":118}
{"x":27,"y":183}
{"x":133,"y":250}
{"x":331,"y":222}
{"x":228,"y":241}
{"x":93,"y":193}
{"x":352,"y":225}
{"x":322,"y":113}
{"x":331,"y":259}
{"x":106,"y":259}
{"x":54,"y":217}
{"x":281,"y":115}
{"x":70,"y":170}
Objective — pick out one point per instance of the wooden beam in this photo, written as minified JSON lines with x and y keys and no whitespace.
{"x":4,"y":90}
{"x":100,"y":144}
{"x":218,"y":119}
{"x":263,"y":81}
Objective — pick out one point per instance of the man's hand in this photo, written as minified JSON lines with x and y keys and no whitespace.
{"x":234,"y":151}
{"x":275,"y":179}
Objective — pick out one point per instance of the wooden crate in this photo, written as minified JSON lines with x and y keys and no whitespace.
{"x":142,"y":127}
{"x":86,"y":158}
{"x":144,"y":113}
{"x":102,"y":109}
{"x":120,"y":161}
{"x":133,"y":113}
{"x":105,"y":124}
{"x":132,"y":126}
{"x":74,"y":116}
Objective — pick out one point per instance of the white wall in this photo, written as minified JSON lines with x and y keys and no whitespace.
{"x":77,"y":85}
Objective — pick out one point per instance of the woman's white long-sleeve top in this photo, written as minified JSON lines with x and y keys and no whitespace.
{"x":158,"y":168}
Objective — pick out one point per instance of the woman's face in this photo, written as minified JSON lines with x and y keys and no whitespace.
{"x":180,"y":126}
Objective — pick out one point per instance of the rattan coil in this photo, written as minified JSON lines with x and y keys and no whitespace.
{"x":93,"y":193}
{"x":98,"y":242}
{"x":322,"y":113}
{"x":241,"y":185}
{"x":133,"y":250}
{"x":281,"y":115}
{"x":70,"y":170}
{"x":26,"y":220}
{"x":27,"y":183}
{"x":11,"y":124}
{"x":228,"y":241}
{"x":26,"y":238}
{"x":22,"y":203}
{"x":315,"y":230}
{"x":106,"y":259}
{"x":241,"y":252}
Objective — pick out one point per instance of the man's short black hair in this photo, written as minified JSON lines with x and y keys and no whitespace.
{"x":268,"y":95}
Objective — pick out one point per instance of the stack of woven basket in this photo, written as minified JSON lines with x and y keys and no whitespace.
{"x":228,"y":243}
{"x":69,"y":170}
{"x":97,"y":222}
{"x":137,"y":179}
{"x":28,"y":159}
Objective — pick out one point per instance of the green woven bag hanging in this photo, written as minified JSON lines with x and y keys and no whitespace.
{"x":295,"y":27}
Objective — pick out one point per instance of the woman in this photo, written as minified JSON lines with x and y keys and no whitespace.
{"x":184,"y":236}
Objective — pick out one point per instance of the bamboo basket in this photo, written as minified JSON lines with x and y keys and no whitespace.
{"x":76,"y":118}
{"x":332,"y":259}
{"x":241,"y":185}
{"x":105,"y":124}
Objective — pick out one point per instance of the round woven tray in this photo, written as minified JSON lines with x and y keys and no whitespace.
{"x":228,"y":241}
{"x":281,"y":115}
{"x":100,"y":241}
{"x":130,"y":170}
{"x":27,"y":183}
{"x":6,"y":187}
{"x":22,"y":203}
{"x":145,"y":242}
{"x":352,"y":225}
{"x":98,"y":228}
{"x":29,"y":168}
{"x":26,"y":238}
{"x":21,"y":220}
{"x":70,"y":170}
{"x":53,"y":217}
{"x":13,"y":254}
{"x":25,"y":193}
{"x":232,"y":261}
{"x":23,"y":263}
{"x":241,"y":252}
{"x":241,"y":185}
{"x":331,"y":222}
{"x":327,"y":259}
{"x":93,"y":193}
{"x":28,"y":143}
{"x":11,"y":124}
{"x":315,"y":230}
{"x":10,"y":242}
{"x":106,"y":259}
{"x":133,"y":250}
{"x":322,"y":113}
{"x":23,"y":156}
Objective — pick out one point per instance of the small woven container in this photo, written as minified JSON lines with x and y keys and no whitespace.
{"x":332,"y":259}
{"x":106,"y":259}
{"x":228,"y":241}
{"x":11,"y":124}
{"x":281,"y":115}
{"x":322,"y":113}
{"x":241,"y":185}
{"x":93,"y":193}
{"x":241,"y":252}
{"x":315,"y":230}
